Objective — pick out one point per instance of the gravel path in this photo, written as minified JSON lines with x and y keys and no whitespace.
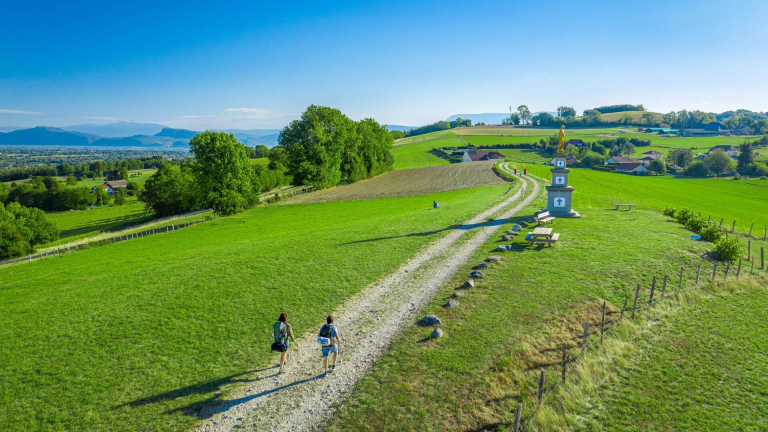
{"x":301,"y":399}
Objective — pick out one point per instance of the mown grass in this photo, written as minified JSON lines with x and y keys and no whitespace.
{"x":142,"y":335}
{"x":420,"y":153}
{"x":79,"y":223}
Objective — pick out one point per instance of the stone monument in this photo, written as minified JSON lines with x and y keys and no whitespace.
{"x":559,"y":192}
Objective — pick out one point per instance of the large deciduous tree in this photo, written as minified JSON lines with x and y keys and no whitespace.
{"x":719,"y":162}
{"x":170,"y":191}
{"x":681,"y":157}
{"x":524,"y":113}
{"x":222,"y":172}
{"x":746,"y":158}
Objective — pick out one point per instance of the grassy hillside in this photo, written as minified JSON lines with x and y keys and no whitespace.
{"x":140,"y":335}
{"x":77,"y":223}
{"x":513,"y":323}
{"x":419,"y":153}
{"x":703,"y":370}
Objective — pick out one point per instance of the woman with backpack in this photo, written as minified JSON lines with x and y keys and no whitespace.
{"x":327,"y":338}
{"x":283,"y":334}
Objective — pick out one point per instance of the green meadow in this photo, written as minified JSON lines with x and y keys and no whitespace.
{"x":421,"y":154}
{"x":78,"y":223}
{"x":142,"y":335}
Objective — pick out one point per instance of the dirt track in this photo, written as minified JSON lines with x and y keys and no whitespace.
{"x":417,"y":181}
{"x":302,"y":400}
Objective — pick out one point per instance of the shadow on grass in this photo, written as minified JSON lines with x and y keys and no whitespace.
{"x":463,"y":227}
{"x":112,"y":223}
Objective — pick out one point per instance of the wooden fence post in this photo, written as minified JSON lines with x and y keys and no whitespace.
{"x":541,"y":385}
{"x":765,"y":232}
{"x":698,"y":273}
{"x":624,"y":307}
{"x":653,"y":287}
{"x":721,"y":223}
{"x":634,"y":305}
{"x":727,"y":267}
{"x":762,"y":257}
{"x":664,"y":287}
{"x":749,"y":248}
{"x":564,"y":348}
{"x":752,"y":270}
{"x":738,"y":271}
{"x":714,"y":272}
{"x":680,"y":285}
{"x":584,"y":339}
{"x":602,"y":325}
{"x":733,"y":227}
{"x":517,"y":417}
{"x":750,"y":230}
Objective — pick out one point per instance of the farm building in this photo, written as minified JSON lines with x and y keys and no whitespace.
{"x":730,"y":150}
{"x":575,"y":143}
{"x":111,"y":186}
{"x":653,"y":154}
{"x":646,"y":160}
{"x":742,"y":130}
{"x":710,"y":129}
{"x":620,"y":160}
{"x":661,"y":131}
{"x":481,"y":155}
{"x":631,"y":168}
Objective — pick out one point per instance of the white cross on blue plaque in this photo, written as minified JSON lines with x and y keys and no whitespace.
{"x":559,"y":202}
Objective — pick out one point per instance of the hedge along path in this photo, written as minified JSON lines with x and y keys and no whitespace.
{"x":301,"y":399}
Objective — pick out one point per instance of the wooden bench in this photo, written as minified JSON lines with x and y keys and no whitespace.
{"x":543,"y":218}
{"x":628,"y":206}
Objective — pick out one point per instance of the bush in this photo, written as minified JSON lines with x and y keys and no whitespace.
{"x":711,"y":233}
{"x":669,"y":211}
{"x":696,"y":224}
{"x":683,"y":215}
{"x":736,"y":177}
{"x":763,"y":177}
{"x":728,"y":249}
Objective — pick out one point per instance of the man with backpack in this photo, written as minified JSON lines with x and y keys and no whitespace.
{"x":282,"y":332}
{"x":327,"y":339}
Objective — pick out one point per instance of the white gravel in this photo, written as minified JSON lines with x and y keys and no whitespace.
{"x":301,"y":399}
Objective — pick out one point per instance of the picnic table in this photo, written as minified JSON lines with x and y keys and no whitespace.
{"x":542,"y":235}
{"x":628,"y":206}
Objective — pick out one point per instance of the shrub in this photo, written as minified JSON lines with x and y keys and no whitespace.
{"x":683,"y":215}
{"x":763,"y":178}
{"x":711,"y":233}
{"x":728,"y":249}
{"x":696,"y":224}
{"x":669,"y":211}
{"x":736,"y":177}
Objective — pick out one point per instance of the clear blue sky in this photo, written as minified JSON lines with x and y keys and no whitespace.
{"x":255,"y":65}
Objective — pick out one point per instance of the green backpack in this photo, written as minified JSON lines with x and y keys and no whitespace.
{"x":280,"y":332}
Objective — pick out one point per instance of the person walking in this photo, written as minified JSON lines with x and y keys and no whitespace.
{"x":515,"y":170}
{"x":525,"y":171}
{"x":328,"y":338}
{"x":282,"y":332}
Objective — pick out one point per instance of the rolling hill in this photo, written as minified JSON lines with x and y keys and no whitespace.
{"x":118,"y":129}
{"x":43,"y":135}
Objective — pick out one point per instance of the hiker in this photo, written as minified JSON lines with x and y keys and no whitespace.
{"x":435,"y":204}
{"x":515,"y":170}
{"x":283,"y":334}
{"x":525,"y":171}
{"x":327,"y":338}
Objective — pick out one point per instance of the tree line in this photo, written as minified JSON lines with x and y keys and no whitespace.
{"x":88,"y":170}
{"x":434,"y":127}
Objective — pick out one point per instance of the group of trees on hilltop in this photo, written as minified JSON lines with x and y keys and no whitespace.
{"x":22,"y":228}
{"x":47,"y":193}
{"x":617,"y":108}
{"x":438,"y":126}
{"x":325,"y":146}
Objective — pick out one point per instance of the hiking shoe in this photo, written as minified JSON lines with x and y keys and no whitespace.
{"x":333,"y":368}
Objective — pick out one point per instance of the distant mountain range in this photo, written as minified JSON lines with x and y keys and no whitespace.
{"x":400,"y":128}
{"x":487,"y":118}
{"x":123,"y":134}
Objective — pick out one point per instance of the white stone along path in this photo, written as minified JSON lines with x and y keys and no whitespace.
{"x":301,"y":399}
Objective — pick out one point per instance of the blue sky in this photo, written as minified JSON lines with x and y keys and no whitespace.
{"x":258,"y":65}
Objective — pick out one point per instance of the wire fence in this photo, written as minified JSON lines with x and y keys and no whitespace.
{"x":100,"y":242}
{"x":660,"y":289}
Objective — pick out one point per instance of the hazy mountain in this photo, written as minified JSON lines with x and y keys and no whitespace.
{"x":487,"y":118}
{"x":400,"y":128}
{"x":253,"y":132}
{"x":43,"y":135}
{"x":177,"y":133}
{"x":119,"y":129}
{"x":143,"y":141}
{"x":251,"y":140}
{"x":10,"y":128}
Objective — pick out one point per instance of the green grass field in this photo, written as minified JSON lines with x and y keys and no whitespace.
{"x":703,"y":370}
{"x":420,"y":154}
{"x":141,"y":335}
{"x":79,"y":223}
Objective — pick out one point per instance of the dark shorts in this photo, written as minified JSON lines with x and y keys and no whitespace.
{"x":279,"y":347}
